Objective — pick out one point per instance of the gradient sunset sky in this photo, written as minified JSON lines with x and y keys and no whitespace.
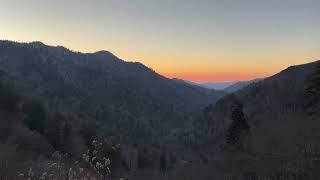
{"x":196,"y":40}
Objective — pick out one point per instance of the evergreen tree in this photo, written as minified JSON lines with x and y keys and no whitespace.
{"x":144,"y":159}
{"x":238,"y":125}
{"x":163,"y":162}
{"x":88,"y":131}
{"x":53,"y":131}
{"x":66,"y":136}
{"x":36,"y":115}
{"x":8,"y":98}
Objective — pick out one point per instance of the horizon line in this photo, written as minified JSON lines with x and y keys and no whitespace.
{"x":57,"y":45}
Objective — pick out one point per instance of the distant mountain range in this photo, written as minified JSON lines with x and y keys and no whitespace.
{"x":228,"y":87}
{"x":216,"y":85}
{"x":240,"y":85}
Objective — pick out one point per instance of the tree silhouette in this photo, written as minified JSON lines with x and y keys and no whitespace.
{"x":8,"y":98}
{"x":238,"y":125}
{"x":163,"y":162}
{"x":36,"y":115}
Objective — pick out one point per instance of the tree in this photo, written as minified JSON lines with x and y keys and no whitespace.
{"x":144,"y":159}
{"x":313,"y":90}
{"x":238,"y":125}
{"x":163,"y":162}
{"x":60,"y":133}
{"x":53,"y":131}
{"x":36,"y":115}
{"x":98,"y":157}
{"x":8,"y":98}
{"x":88,"y":131}
{"x":66,"y":136}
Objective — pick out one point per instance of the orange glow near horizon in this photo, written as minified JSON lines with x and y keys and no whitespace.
{"x":222,"y":73}
{"x":212,"y":68}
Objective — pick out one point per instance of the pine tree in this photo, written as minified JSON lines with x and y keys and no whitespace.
{"x":53,"y":131}
{"x":163,"y":162}
{"x":36,"y":115}
{"x":8,"y":98}
{"x":238,"y":125}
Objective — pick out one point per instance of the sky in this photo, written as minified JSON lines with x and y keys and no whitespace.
{"x":195,"y":40}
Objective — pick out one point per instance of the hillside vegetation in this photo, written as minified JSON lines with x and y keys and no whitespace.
{"x":71,"y":115}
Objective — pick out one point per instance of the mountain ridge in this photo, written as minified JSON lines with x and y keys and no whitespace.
{"x":100,"y":86}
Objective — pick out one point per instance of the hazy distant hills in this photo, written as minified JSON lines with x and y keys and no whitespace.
{"x":228,"y":87}
{"x":240,"y":85}
{"x":216,"y":85}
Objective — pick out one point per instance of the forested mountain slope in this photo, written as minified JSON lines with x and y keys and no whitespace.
{"x":74,"y":98}
{"x":100,"y":86}
{"x":271,"y":132}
